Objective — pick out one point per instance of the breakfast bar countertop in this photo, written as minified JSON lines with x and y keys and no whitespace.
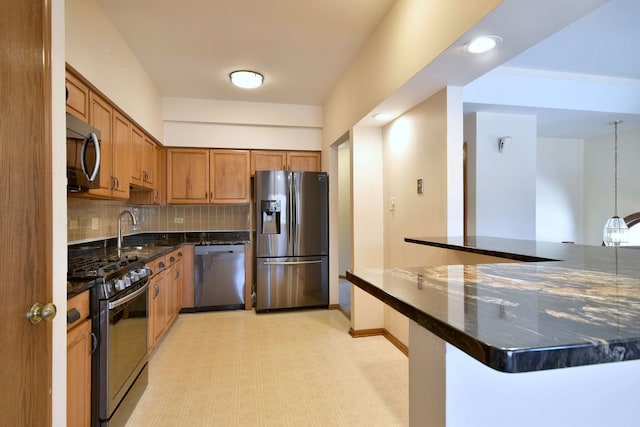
{"x":560,"y":305}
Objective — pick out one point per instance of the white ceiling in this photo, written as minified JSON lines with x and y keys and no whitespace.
{"x":303,"y":47}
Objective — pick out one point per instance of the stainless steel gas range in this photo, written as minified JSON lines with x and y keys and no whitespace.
{"x":119,"y":314}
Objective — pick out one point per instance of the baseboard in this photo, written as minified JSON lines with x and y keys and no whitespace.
{"x":333,"y":307}
{"x":361,"y":333}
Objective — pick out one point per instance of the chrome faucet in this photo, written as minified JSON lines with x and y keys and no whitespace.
{"x":133,"y":218}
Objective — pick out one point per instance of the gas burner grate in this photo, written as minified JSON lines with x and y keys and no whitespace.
{"x":92,"y":267}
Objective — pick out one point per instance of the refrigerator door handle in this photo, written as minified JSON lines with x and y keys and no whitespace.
{"x":292,"y":211}
{"x":319,"y":261}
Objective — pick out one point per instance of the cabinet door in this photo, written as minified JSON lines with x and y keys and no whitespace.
{"x":78,"y":97}
{"x":148,"y":163}
{"x":79,"y":375}
{"x":229,"y":176}
{"x":267,"y":161}
{"x":188,"y":281}
{"x":100,"y":116}
{"x":159,"y":192}
{"x":187,"y":176}
{"x":157,"y":308}
{"x":177,"y":286}
{"x":137,"y":151}
{"x":308,"y":161}
{"x":121,"y":155}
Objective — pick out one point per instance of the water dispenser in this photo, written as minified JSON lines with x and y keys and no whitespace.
{"x":270,"y":218}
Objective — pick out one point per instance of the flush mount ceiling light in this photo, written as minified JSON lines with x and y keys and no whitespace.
{"x":246,"y":79}
{"x":383,"y":116}
{"x":482,"y":44}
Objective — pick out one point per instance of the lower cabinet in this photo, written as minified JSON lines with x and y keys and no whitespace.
{"x":79,"y":345}
{"x":157,"y":307}
{"x":165,"y":294}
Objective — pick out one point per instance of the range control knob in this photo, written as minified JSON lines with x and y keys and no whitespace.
{"x":119,"y":284}
{"x":134,"y":276}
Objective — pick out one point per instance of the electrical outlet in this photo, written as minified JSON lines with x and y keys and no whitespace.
{"x":178,"y":220}
{"x":73,"y":224}
{"x":95,"y":223}
{"x":420,"y":186}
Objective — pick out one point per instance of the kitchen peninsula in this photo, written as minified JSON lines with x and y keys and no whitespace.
{"x":528,"y":342}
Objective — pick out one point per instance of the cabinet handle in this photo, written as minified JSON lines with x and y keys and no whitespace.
{"x":172,"y":259}
{"x":94,"y":343}
{"x":161,"y":264}
{"x":157,"y":289}
{"x":117,"y":183}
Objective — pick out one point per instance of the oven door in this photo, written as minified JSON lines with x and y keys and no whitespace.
{"x":123,"y":350}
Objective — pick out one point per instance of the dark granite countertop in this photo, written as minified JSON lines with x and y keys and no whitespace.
{"x":147,"y":246}
{"x":563,"y":305}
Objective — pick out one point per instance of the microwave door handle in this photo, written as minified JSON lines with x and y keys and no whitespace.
{"x":83,"y":156}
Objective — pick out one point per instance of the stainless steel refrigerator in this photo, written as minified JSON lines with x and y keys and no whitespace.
{"x":292,"y":240}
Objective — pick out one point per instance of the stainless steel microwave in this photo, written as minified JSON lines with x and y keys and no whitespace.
{"x":83,"y":155}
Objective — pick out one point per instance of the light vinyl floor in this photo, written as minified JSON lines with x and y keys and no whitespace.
{"x":297,"y":368}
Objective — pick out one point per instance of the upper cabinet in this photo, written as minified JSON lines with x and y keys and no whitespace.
{"x":203,"y":176}
{"x":229,"y":176}
{"x":308,"y":161}
{"x":187,"y":176}
{"x":129,"y":156}
{"x":77,"y":97}
{"x":143,"y":158}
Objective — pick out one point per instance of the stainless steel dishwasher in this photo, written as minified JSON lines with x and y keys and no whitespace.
{"x":219,"y":277}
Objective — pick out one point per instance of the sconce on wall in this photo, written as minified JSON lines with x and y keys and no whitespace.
{"x":504,"y":144}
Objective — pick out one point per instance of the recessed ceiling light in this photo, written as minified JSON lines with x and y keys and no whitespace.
{"x":383,"y":116}
{"x":482,"y":44}
{"x":246,"y":79}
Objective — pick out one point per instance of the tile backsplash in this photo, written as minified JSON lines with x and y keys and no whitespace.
{"x":96,"y":219}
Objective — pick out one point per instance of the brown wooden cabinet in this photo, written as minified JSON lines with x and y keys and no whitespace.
{"x":187,"y":176}
{"x":188,"y":284}
{"x":229,"y":176}
{"x":203,"y":176}
{"x":121,"y":156}
{"x":101,"y":116}
{"x":165,"y":294}
{"x":79,"y":343}
{"x":157,"y":308}
{"x":115,"y":138}
{"x":143,"y":160}
{"x":77,"y":97}
{"x":308,"y":161}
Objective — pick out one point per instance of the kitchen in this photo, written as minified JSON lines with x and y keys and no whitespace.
{"x":334,"y":131}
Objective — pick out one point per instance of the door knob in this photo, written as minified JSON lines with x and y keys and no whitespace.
{"x":39,"y":312}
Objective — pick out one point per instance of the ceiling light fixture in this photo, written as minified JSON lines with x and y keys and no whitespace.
{"x":383,"y":116}
{"x":482,"y":44}
{"x":616,"y":231}
{"x":246,"y":79}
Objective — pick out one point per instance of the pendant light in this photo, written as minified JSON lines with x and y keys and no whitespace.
{"x":616,"y":231}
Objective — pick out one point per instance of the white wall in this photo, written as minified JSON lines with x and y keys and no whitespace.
{"x":344,"y":206}
{"x":192,"y":122}
{"x":598,"y":180}
{"x":367,"y":312}
{"x":97,"y":51}
{"x":559,"y":191}
{"x":505,"y":183}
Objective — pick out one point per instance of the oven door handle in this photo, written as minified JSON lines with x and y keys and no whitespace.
{"x":128,"y":298}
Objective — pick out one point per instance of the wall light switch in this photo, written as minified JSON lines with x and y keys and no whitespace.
{"x":178,"y":220}
{"x":420,"y":186}
{"x":392,"y":204}
{"x":95,"y":223}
